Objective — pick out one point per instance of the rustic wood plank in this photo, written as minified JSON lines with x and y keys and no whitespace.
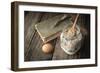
{"x":59,"y":54}
{"x":30,"y":20}
{"x":33,"y":42}
{"x":47,"y":16}
{"x":38,"y":54}
{"x":85,"y":49}
{"x":35,"y":53}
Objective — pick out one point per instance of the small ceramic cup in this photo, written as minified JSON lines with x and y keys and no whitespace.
{"x":71,"y":45}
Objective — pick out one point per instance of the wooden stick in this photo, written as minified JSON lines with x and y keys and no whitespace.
{"x":74,"y":24}
{"x":72,"y":30}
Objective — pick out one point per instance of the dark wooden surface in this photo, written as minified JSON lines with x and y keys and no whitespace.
{"x":33,"y":43}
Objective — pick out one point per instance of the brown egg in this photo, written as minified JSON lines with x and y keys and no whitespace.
{"x":47,"y":48}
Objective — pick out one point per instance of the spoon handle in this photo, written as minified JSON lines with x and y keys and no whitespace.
{"x":74,"y":24}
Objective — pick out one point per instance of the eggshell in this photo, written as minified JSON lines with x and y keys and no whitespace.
{"x":47,"y":48}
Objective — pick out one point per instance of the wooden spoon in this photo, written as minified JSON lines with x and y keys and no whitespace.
{"x":72,"y":30}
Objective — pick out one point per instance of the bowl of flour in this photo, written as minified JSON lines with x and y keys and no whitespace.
{"x":70,"y":41}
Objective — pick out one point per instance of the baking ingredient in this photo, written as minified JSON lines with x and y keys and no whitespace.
{"x":71,"y":38}
{"x":47,"y":48}
{"x":72,"y":31}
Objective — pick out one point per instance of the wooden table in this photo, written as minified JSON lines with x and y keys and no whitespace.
{"x":33,"y":43}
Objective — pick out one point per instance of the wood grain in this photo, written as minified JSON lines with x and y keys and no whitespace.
{"x":33,"y":43}
{"x":60,"y":54}
{"x":30,"y":20}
